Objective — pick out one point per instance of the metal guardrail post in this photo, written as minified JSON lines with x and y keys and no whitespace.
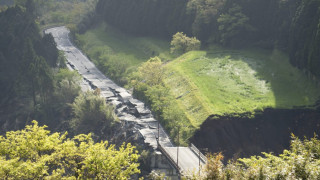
{"x":171,"y":161}
{"x":197,"y":151}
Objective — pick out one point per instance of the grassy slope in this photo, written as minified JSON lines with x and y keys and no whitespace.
{"x":216,"y":81}
{"x":222,"y":81}
{"x":106,"y":40}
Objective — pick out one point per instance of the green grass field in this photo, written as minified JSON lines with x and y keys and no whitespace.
{"x":215,"y":81}
{"x":107,"y":41}
{"x":224,"y":81}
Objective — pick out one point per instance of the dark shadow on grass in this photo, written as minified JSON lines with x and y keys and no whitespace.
{"x":291,"y":88}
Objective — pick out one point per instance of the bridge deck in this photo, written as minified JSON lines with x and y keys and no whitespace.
{"x":188,"y":160}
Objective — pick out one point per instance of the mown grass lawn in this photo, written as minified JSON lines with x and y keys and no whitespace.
{"x":224,"y":81}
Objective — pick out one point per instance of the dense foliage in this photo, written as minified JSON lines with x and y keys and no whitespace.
{"x":149,"y":86}
{"x":301,"y":161}
{"x":91,"y":112}
{"x":35,"y":153}
{"x":160,"y":17}
{"x":21,"y":49}
{"x":26,"y":62}
{"x":292,"y":26}
{"x":33,"y":81}
{"x":304,"y":41}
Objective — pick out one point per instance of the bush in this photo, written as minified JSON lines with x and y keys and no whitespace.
{"x":91,"y":112}
{"x":181,"y":43}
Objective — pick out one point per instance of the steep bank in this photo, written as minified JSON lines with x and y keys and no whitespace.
{"x":269,"y":131}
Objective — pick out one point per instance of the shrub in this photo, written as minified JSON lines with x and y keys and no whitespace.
{"x":181,"y":43}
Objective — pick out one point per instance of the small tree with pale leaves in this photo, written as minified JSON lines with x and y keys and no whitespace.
{"x":181,"y":43}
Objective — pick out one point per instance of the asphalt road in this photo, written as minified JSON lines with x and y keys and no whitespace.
{"x":127,"y":108}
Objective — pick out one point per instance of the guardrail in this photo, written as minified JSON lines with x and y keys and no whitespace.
{"x":198,"y":152}
{"x":171,"y":161}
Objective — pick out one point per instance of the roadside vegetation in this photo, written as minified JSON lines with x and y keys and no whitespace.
{"x":35,"y":83}
{"x":118,"y":54}
{"x":181,"y":84}
{"x":197,"y":84}
{"x":91,"y":112}
{"x":36,"y":153}
{"x":301,"y":161}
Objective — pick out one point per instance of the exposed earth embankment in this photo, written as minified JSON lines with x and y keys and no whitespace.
{"x":268,"y":131}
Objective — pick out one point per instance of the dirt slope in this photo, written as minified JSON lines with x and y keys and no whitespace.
{"x":268,"y":131}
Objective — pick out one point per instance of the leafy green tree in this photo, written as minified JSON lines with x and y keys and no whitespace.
{"x":232,"y":24}
{"x":206,"y":13}
{"x":151,"y":72}
{"x":91,"y":111}
{"x":148,"y":85}
{"x":35,"y":153}
{"x":36,"y":71}
{"x":67,"y":85}
{"x":180,"y":43}
{"x":48,"y":50}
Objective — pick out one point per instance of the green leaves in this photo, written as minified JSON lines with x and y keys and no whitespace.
{"x":34,"y":153}
{"x":233,"y":23}
{"x":91,"y":111}
{"x":181,"y":43}
{"x":148,"y":85}
{"x":205,"y":13}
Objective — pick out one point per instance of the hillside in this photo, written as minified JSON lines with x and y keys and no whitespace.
{"x":217,"y":80}
{"x":256,"y":55}
{"x":291,"y":26}
{"x":225,"y":81}
{"x":239,"y":78}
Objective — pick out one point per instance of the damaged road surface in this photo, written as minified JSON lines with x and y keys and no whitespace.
{"x":127,"y":108}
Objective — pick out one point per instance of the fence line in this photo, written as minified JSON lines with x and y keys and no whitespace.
{"x":197,"y":152}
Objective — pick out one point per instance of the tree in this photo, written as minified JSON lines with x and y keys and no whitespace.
{"x":148,"y":84}
{"x":180,"y":43}
{"x":48,"y":50}
{"x":206,"y":13}
{"x":232,"y":24}
{"x":38,"y":73}
{"x":151,"y":72}
{"x":35,"y":153}
{"x":31,"y":8}
{"x":91,"y":111}
{"x":67,"y":86}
